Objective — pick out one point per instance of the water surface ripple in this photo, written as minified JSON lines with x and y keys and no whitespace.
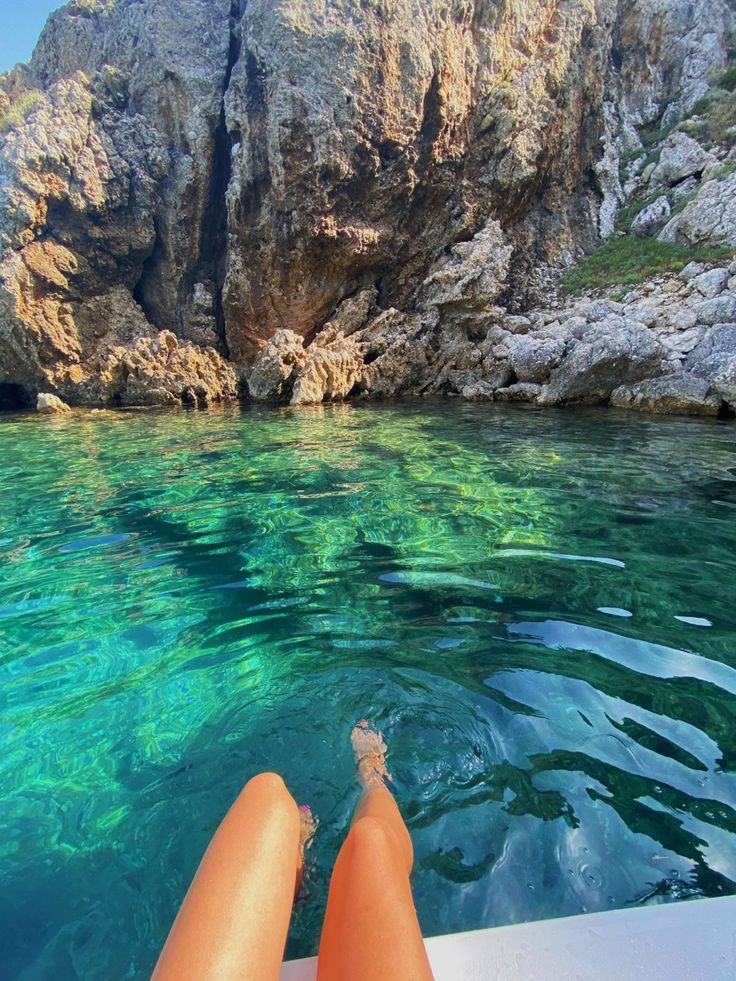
{"x":537,"y":608}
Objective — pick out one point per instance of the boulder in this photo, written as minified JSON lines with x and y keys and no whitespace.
{"x":478,"y":391}
{"x":532,"y":357}
{"x":711,"y":283}
{"x":472,"y":275}
{"x":615,"y":353}
{"x":274,"y":371}
{"x":708,"y":220}
{"x":691,"y":270}
{"x":681,"y":157}
{"x":678,"y":394}
{"x":51,"y":405}
{"x":652,"y":218}
{"x":684,"y":341}
{"x":714,"y":352}
{"x":333,"y":367}
{"x":680,"y":319}
{"x":161,"y":370}
{"x":399,"y":355}
{"x":718,"y":310}
{"x":520,"y":392}
{"x":517,"y":325}
{"x":352,"y":314}
{"x":724,"y":381}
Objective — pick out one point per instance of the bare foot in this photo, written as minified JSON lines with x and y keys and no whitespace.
{"x":370,"y":755}
{"x":307,"y":827}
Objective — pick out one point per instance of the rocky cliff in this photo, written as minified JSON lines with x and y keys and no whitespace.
{"x":310,"y":199}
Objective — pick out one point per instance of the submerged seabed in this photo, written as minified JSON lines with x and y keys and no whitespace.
{"x":536,"y":607}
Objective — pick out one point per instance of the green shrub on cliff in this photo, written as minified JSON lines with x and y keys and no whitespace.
{"x":716,"y":112}
{"x":17,"y":111}
{"x":626,"y":261}
{"x":727,"y":79}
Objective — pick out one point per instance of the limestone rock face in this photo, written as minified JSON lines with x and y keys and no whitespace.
{"x":531,"y":358}
{"x":369,"y":138}
{"x":615,"y":352}
{"x":274,"y":370}
{"x":681,"y":157}
{"x":326,"y":199}
{"x":709,"y":219}
{"x":673,"y":394}
{"x":652,"y":218}
{"x":714,"y":353}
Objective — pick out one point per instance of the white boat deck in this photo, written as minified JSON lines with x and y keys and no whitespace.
{"x":686,"y":941}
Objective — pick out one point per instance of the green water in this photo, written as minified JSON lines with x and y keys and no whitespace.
{"x":189,"y":598}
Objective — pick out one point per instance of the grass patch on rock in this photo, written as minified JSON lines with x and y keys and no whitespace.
{"x":727,"y":79}
{"x":716,"y":117}
{"x":627,"y":261}
{"x":16,"y":111}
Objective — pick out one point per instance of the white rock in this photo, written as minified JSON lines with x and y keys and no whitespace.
{"x":711,"y":283}
{"x":682,"y":318}
{"x":478,"y":391}
{"x":652,"y":218}
{"x":647,"y":173}
{"x":51,"y":405}
{"x":685,"y":341}
{"x":533,"y":357}
{"x":720,"y":310}
{"x":681,"y":157}
{"x":708,"y":220}
{"x":675,"y":393}
{"x":687,"y":187}
{"x":574,"y":324}
{"x":691,"y":270}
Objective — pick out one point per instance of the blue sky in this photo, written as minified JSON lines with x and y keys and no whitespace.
{"x":20,"y":24}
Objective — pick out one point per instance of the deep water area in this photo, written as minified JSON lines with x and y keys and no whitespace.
{"x":536,"y":607}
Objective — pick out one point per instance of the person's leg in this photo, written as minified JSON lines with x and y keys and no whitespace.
{"x":371,"y":931}
{"x":234,"y":918}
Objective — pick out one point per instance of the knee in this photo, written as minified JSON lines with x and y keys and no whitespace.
{"x":270,"y":790}
{"x":370,"y":834}
{"x":268,"y":783}
{"x":374,"y":836}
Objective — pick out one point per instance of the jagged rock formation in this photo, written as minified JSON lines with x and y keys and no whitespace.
{"x":301,"y":200}
{"x":668,"y":346}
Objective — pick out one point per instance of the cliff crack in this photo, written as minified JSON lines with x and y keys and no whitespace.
{"x":211,"y":263}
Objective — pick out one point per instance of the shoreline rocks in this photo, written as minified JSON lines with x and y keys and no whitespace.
{"x":299,"y":202}
{"x":50,"y":405}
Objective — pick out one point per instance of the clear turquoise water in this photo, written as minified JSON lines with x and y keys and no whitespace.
{"x":187,"y":599}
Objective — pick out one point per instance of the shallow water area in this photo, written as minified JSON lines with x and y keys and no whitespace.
{"x":535,"y":607}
